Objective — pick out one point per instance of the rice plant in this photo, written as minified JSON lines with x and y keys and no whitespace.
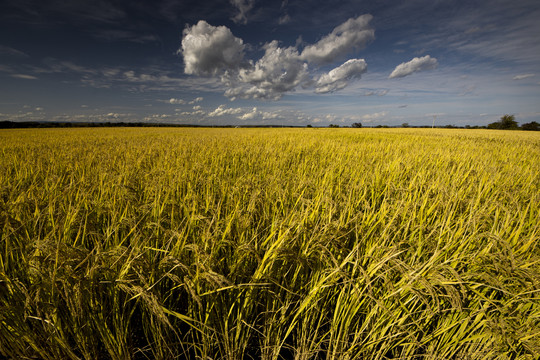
{"x":269,"y":244}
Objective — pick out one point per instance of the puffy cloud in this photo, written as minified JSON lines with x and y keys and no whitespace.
{"x":523,"y":76}
{"x":183,"y":102}
{"x":257,"y":114}
{"x":415,"y":65}
{"x":250,"y":115}
{"x":246,"y":114}
{"x":211,"y":50}
{"x":270,"y":115}
{"x":208,"y":49}
{"x":116,"y":116}
{"x":196,"y":100}
{"x":243,"y":6}
{"x":354,"y":33}
{"x":338,"y":78}
{"x":278,"y":71}
{"x":222,"y":110}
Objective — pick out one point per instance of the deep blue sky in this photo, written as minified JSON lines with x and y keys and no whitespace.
{"x":378,"y":62}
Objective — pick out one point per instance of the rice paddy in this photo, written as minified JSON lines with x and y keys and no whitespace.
{"x":269,"y":244}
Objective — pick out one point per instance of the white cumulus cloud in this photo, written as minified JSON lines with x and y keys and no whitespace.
{"x":278,"y":71}
{"x":215,"y":51}
{"x":196,"y":100}
{"x":257,"y":114}
{"x":415,"y":65}
{"x":182,"y":101}
{"x":250,"y":115}
{"x":354,"y":33}
{"x":209,"y":50}
{"x":222,"y":110}
{"x":338,"y":78}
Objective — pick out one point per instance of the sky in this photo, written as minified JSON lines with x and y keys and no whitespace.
{"x":281,"y":62}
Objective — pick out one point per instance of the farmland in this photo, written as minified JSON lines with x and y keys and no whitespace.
{"x":269,"y":244}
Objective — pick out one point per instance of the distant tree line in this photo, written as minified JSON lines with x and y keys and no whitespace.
{"x":54,"y":124}
{"x":507,"y":122}
{"x":51,"y":124}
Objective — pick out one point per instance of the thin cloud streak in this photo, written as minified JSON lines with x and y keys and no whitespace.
{"x":413,"y":66}
{"x":523,"y":76}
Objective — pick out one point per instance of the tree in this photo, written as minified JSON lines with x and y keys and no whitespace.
{"x":532,"y":126}
{"x":357,"y":125}
{"x":507,"y":122}
{"x":333,"y":126}
{"x":405,"y":125}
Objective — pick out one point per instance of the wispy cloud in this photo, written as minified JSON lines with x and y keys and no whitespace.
{"x":135,"y":79}
{"x":523,"y":76}
{"x":500,"y":31}
{"x":243,"y":7}
{"x":376,"y":92}
{"x":24,"y":76}
{"x":354,"y":33}
{"x":415,"y":65}
{"x":11,"y":52}
{"x":284,"y":19}
{"x":114,"y":35}
{"x":366,"y":118}
{"x":338,"y":78}
{"x":374,"y":116}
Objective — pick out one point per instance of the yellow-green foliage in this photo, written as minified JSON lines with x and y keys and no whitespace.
{"x":269,"y":243}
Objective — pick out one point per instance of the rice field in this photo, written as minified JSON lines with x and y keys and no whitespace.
{"x":270,"y":244}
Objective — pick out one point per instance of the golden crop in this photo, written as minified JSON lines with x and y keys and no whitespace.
{"x":269,"y":243}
